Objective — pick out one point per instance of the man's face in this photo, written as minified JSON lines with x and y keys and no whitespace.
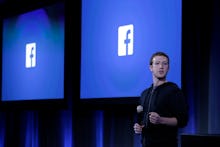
{"x":159,"y":67}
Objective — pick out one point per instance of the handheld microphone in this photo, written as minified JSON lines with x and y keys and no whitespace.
{"x":140,"y":114}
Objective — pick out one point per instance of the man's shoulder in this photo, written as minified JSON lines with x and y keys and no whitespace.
{"x":171,"y":84}
{"x":145,"y":90}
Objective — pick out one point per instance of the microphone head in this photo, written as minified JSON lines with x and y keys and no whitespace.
{"x":139,"y":108}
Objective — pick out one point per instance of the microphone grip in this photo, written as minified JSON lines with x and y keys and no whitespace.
{"x":140,"y":118}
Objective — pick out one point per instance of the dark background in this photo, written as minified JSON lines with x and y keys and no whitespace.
{"x":111,"y":125}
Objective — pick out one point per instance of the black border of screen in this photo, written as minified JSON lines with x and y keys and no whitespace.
{"x":14,"y":9}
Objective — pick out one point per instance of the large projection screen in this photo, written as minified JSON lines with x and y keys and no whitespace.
{"x":33,"y":50}
{"x":117,"y":39}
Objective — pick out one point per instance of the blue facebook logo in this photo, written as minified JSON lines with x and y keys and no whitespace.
{"x":30,"y":55}
{"x":125,"y":40}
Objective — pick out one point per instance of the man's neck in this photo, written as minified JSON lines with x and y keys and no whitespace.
{"x":157,"y":82}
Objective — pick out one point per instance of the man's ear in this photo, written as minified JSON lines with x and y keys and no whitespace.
{"x":150,"y":67}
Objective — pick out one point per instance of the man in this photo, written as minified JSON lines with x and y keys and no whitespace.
{"x":163,"y":106}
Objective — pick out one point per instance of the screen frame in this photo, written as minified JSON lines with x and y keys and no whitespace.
{"x":109,"y":102}
{"x":35,"y":104}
